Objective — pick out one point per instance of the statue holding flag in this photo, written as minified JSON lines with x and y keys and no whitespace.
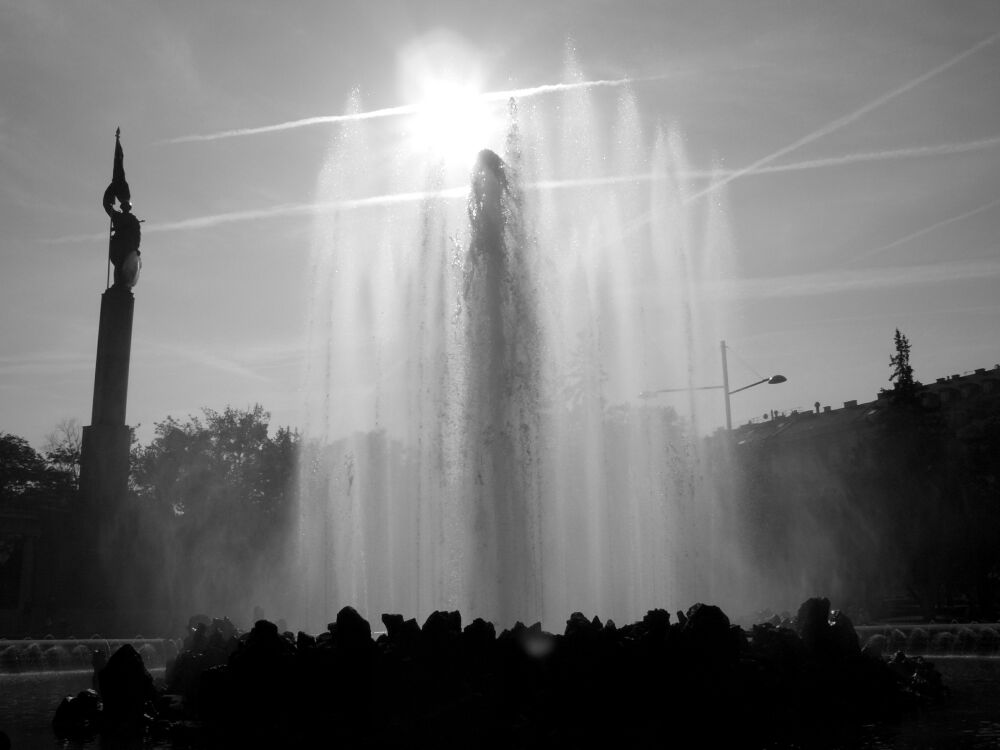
{"x":123,"y":248}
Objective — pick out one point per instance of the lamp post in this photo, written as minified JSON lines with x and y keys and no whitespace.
{"x":773,"y":380}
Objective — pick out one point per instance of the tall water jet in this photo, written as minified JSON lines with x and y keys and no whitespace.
{"x":501,"y":399}
{"x":475,"y":441}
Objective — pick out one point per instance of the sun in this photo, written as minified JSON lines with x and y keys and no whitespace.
{"x":452,"y":122}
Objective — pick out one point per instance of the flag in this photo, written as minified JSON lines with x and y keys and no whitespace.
{"x":118,"y":187}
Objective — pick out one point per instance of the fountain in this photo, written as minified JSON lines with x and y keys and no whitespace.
{"x":474,"y":441}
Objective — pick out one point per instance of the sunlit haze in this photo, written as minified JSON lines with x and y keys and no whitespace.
{"x":849,"y":151}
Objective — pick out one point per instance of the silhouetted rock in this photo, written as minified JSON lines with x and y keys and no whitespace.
{"x":842,"y":637}
{"x":351,"y":628}
{"x":658,"y":620}
{"x":708,"y":637}
{"x":442,"y":630}
{"x":217,"y":694}
{"x":918,"y":676}
{"x":480,"y":632}
{"x":812,"y":622}
{"x":257,"y":684}
{"x":777,"y":646}
{"x":195,"y":620}
{"x":579,"y":627}
{"x":126,"y":690}
{"x":80,"y":717}
{"x":708,"y":622}
{"x":633,"y":685}
{"x":393,"y":624}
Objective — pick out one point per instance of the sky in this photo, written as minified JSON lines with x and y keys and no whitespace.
{"x":861,"y":142}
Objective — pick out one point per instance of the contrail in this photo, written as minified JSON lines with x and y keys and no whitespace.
{"x":942,"y":149}
{"x":286,"y":210}
{"x":912,"y":152}
{"x":927,"y":230}
{"x":855,"y":280}
{"x":300,"y":209}
{"x":406,"y":109}
{"x":303,"y":209}
{"x":847,"y":119}
{"x":622,"y":179}
{"x":280,"y":211}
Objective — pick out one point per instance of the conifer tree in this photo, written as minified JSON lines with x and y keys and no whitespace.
{"x":904,"y":387}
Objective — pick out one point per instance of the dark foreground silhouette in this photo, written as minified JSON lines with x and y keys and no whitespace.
{"x":651,"y":683}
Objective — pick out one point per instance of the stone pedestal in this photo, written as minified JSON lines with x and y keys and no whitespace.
{"x":104,"y":457}
{"x":104,"y":453}
{"x":114,"y":347}
{"x":104,"y":466}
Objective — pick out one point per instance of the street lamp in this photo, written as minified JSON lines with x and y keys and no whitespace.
{"x":773,"y":380}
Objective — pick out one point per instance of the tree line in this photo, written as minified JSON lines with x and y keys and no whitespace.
{"x":55,"y":470}
{"x":211,"y":501}
{"x":215,"y":462}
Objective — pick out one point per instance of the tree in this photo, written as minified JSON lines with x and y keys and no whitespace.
{"x":221,"y":489}
{"x":62,"y":453}
{"x":22,"y":470}
{"x":218,"y":462}
{"x":904,"y":389}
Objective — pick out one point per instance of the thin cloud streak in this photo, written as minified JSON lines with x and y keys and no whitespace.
{"x":927,"y":230}
{"x":859,"y":280}
{"x":42,"y":364}
{"x":943,"y":149}
{"x":288,"y":210}
{"x":911,"y":152}
{"x":406,"y":109}
{"x":151,"y":355}
{"x":282,"y":211}
{"x":623,"y":179}
{"x":302,"y":209}
{"x":847,"y":119}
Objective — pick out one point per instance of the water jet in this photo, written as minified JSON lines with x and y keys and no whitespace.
{"x":475,"y":440}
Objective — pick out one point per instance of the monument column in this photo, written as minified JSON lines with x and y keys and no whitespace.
{"x":105,"y":449}
{"x":104,"y":455}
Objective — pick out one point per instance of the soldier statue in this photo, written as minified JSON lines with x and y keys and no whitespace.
{"x":123,"y":249}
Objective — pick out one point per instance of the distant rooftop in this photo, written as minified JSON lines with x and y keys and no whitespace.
{"x":948,"y":391}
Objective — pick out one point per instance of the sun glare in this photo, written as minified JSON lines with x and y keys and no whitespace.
{"x":442,"y":75}
{"x":452,"y":123}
